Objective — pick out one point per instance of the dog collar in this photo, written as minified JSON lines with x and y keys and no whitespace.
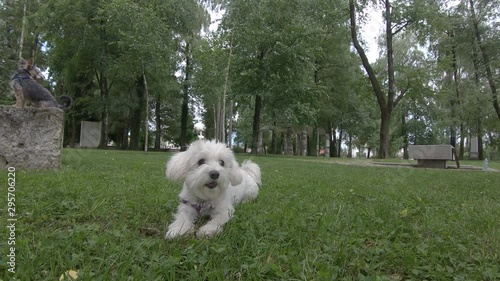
{"x":197,"y":207}
{"x":21,"y":77}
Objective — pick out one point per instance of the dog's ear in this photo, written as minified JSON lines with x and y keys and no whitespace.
{"x":235,"y":176}
{"x":30,"y":63}
{"x":22,"y":63}
{"x":177,"y":166}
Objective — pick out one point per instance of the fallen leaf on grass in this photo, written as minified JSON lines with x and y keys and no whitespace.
{"x":69,"y":275}
{"x":403,"y":213}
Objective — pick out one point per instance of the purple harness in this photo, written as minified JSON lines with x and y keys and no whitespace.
{"x":197,"y":207}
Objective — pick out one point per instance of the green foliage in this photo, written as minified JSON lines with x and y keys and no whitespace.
{"x":106,"y":47}
{"x":296,"y":55}
{"x":273,"y":55}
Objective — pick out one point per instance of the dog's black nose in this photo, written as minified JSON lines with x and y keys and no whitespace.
{"x":214,"y":175}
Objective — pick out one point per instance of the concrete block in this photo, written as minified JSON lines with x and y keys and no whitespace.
{"x":31,"y":138}
{"x":436,"y":152}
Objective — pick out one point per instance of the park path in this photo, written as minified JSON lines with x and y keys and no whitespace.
{"x":380,"y":163}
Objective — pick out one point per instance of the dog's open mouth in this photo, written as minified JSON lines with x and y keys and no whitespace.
{"x":211,"y":184}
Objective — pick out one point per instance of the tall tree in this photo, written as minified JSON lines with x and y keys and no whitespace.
{"x":273,"y":59}
{"x":397,"y":19}
{"x":385,"y":104}
{"x":189,"y":32}
{"x":185,"y":96}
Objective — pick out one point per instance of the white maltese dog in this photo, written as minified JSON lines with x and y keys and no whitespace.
{"x":213,"y":183}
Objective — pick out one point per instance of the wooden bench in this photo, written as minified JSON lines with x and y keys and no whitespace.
{"x":431,"y":156}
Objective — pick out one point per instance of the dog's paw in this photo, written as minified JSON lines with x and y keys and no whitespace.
{"x":171,"y":234}
{"x":208,"y":230}
{"x":177,"y":231}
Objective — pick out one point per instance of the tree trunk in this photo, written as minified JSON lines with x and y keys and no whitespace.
{"x":230,"y":130}
{"x":103,"y":87}
{"x":385,"y":136}
{"x":21,"y":37}
{"x":282,"y":144}
{"x":453,"y":139}
{"x":35,"y":46}
{"x":218,"y":121}
{"x":385,"y":141}
{"x":136,"y":115}
{"x":458,"y":100}
{"x":480,"y":152}
{"x":274,"y":143}
{"x":261,"y":148}
{"x":184,"y":119}
{"x":183,"y":142}
{"x":297,"y":144}
{"x":404,"y":134}
{"x":462,"y":142}
{"x":256,"y":125}
{"x":486,"y":59}
{"x":119,"y":137}
{"x":477,"y":81}
{"x":316,"y":132}
{"x":103,"y":84}
{"x":126,"y":143}
{"x":210,"y":122}
{"x":339,"y":145}
{"x":332,"y":138}
{"x":222,"y":122}
{"x":146,"y":109}
{"x":327,"y":145}
{"x":385,"y":106}
{"x":73,"y":132}
{"x":303,"y":143}
{"x":452,"y":127}
{"x":349,"y":147}
{"x":288,"y":142}
{"x":158,"y":122}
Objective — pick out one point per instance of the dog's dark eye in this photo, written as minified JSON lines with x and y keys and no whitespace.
{"x":221,"y":162}
{"x":201,"y":162}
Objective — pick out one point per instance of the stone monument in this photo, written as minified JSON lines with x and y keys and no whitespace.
{"x":90,"y":134}
{"x":31,"y":138}
{"x":474,"y":149}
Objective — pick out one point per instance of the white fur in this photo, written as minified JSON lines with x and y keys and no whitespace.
{"x":234,"y":185}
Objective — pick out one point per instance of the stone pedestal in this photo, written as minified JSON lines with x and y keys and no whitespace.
{"x":474,"y":149}
{"x":431,"y":156}
{"x":90,"y":134}
{"x":31,"y":138}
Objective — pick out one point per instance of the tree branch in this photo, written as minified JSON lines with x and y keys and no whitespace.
{"x":402,"y":92}
{"x":364,"y":59}
{"x":403,"y":26}
{"x":400,"y":97}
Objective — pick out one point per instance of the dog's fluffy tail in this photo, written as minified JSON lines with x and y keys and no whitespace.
{"x":249,"y":188}
{"x":253,"y":170}
{"x":65,"y":102}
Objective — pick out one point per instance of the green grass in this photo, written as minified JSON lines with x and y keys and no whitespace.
{"x":106,"y":213}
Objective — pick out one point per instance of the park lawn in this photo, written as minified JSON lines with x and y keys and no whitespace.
{"x":105,"y":214}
